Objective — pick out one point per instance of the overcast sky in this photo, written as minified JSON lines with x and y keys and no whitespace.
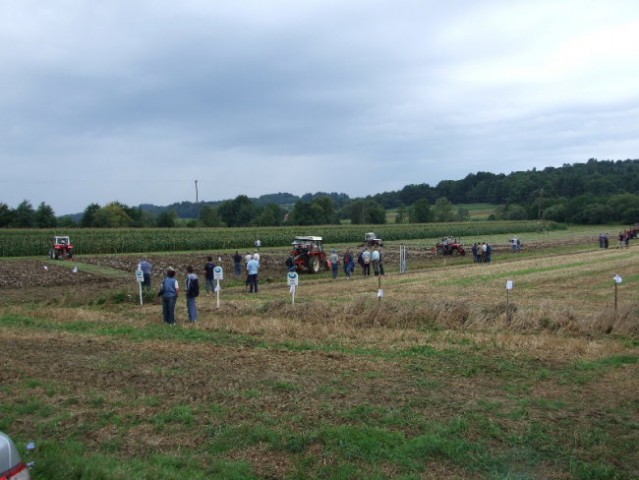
{"x":136,"y":100}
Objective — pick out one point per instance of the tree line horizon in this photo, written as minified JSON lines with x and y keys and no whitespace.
{"x":595,"y":192}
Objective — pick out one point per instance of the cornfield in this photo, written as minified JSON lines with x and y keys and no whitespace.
{"x":36,"y":242}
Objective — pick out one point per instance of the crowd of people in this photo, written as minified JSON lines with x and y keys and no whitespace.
{"x":482,"y":252}
{"x":170,"y":285}
{"x":366,"y":259}
{"x":369,"y":260}
{"x":624,"y":239}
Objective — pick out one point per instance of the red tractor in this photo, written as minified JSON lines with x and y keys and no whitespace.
{"x":449,"y":246}
{"x":61,"y":248}
{"x":307,"y":255}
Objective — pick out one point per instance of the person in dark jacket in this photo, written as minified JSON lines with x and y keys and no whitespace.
{"x":209,"y":267}
{"x":192,"y":291}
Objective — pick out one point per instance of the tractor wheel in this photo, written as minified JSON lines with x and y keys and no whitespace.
{"x":314,"y":264}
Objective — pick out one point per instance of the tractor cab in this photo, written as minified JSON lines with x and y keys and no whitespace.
{"x":371,"y":239}
{"x":61,"y":247}
{"x":307,"y":254}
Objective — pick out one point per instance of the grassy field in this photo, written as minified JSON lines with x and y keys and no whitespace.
{"x":437,"y":373}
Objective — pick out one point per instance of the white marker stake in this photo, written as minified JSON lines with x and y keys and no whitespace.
{"x":218,"y":274}
{"x":293,"y":281}
{"x":617,"y":278}
{"x":509,"y":287}
{"x":139,"y":276}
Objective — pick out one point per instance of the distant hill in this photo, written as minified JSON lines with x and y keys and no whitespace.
{"x":550,"y":186}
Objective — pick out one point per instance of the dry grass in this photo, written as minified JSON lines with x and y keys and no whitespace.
{"x":547,"y":371}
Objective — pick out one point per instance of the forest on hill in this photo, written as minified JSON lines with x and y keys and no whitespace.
{"x":595,"y":192}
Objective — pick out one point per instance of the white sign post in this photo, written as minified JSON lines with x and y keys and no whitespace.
{"x":139,"y":276}
{"x":218,"y":274}
{"x":509,"y":286}
{"x":618,"y":279}
{"x":293,"y":281}
{"x":403,"y":259}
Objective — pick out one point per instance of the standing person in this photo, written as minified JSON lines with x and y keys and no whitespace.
{"x":366,"y":262}
{"x":349,"y":264}
{"x":237,"y":263}
{"x":247,"y":258}
{"x":252,"y":269}
{"x":475,"y":251}
{"x":192,"y":291}
{"x":209,"y":267}
{"x":169,"y":293}
{"x":334,"y":258}
{"x":258,"y":244}
{"x":290,"y":263}
{"x":146,"y":268}
{"x":381,"y":262}
{"x":489,"y":252}
{"x":375,"y":257}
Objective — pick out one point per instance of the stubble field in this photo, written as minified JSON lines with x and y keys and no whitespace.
{"x":446,"y":375}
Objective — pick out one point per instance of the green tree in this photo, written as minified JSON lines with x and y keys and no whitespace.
{"x":24,"y":215}
{"x":367,"y":211}
{"x":596,"y":213}
{"x":420,"y":212}
{"x":66,"y":221}
{"x":239,"y":212}
{"x":270,"y":215}
{"x":6,"y":215}
{"x":557,"y":212}
{"x":356,"y":212}
{"x":625,"y":208}
{"x":209,"y":216}
{"x":306,"y":213}
{"x":443,"y":210}
{"x":167,"y":219}
{"x":88,"y":217}
{"x":112,"y":215}
{"x":327,"y":207}
{"x":511,"y":211}
{"x":137,"y":216}
{"x":375,"y":213}
{"x":44,"y":216}
{"x":402,"y":214}
{"x":463,"y":214}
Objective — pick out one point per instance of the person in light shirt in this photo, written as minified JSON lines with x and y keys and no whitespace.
{"x":252,"y":270}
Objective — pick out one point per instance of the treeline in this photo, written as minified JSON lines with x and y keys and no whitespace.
{"x":595,"y":192}
{"x":584,"y":193}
